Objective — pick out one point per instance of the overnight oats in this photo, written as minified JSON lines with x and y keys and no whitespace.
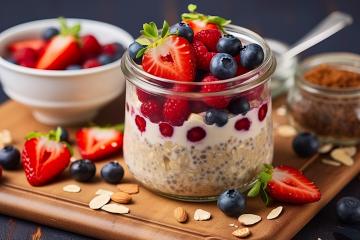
{"x":198,"y":107}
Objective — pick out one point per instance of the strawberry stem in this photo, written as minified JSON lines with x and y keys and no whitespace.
{"x":66,"y":30}
{"x":260,"y":184}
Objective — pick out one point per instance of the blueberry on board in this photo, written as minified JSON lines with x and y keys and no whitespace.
{"x":112,"y":172}
{"x":9,"y":157}
{"x":251,"y":56}
{"x":223,"y":66}
{"x":105,"y":59}
{"x":239,"y":106}
{"x":49,"y":33}
{"x":183,"y":30}
{"x":134,"y":48}
{"x":82,"y":170}
{"x":305,"y":144}
{"x":348,"y":209}
{"x":229,"y":44}
{"x":219,"y":117}
{"x":74,"y":67}
{"x":232,"y":202}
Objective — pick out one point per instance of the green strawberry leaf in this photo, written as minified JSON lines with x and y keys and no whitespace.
{"x":119,"y":127}
{"x":65,"y":30}
{"x":150,"y":30}
{"x":165,"y":29}
{"x":32,"y":135}
{"x":218,"y":20}
{"x":190,"y":16}
{"x":143,"y":41}
{"x":265,"y":197}
{"x":141,"y":52}
{"x":254,"y":191}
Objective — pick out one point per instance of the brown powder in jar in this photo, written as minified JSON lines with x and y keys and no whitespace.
{"x":332,"y":77}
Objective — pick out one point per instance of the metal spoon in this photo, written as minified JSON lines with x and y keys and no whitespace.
{"x":327,"y":27}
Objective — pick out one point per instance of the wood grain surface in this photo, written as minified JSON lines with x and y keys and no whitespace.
{"x":151,"y":216}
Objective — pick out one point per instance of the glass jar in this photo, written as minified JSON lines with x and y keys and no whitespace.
{"x":333,"y":114}
{"x":191,"y":160}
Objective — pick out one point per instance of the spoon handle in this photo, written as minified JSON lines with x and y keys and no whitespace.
{"x":330,"y":25}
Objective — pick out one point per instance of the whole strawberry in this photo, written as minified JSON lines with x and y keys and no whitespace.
{"x":44,"y":157}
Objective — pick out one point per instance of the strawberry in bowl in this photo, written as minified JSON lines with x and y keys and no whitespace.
{"x":64,"y":70}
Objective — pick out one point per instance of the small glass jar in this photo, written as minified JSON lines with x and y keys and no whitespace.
{"x":333,"y":114}
{"x":191,"y":160}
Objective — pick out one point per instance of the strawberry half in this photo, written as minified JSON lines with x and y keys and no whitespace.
{"x":34,"y":44}
{"x":44,"y":157}
{"x":63,"y":49}
{"x":198,"y":21}
{"x":285,"y":184}
{"x":96,"y":143}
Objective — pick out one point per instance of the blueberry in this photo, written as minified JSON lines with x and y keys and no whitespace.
{"x":64,"y":137}
{"x":239,"y":106}
{"x":112,"y":172}
{"x":251,"y":56}
{"x":105,"y":59}
{"x":12,"y":60}
{"x":348,"y":209}
{"x":49,"y":33}
{"x":223,"y":66}
{"x":232,"y":202}
{"x":183,"y":30}
{"x":82,"y":170}
{"x":9,"y":158}
{"x":219,"y":117}
{"x":134,"y":48}
{"x":74,"y":67}
{"x":229,"y":44}
{"x":119,"y":51}
{"x":305,"y":144}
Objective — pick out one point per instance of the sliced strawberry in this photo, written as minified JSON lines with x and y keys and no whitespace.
{"x":172,"y":58}
{"x":97,"y":143}
{"x":199,"y":25}
{"x":25,"y":54}
{"x":218,"y":101}
{"x":44,"y":157}
{"x":35,"y":44}
{"x":209,"y":37}
{"x":286,"y":184}
{"x":62,"y":51}
{"x":202,"y":55}
{"x":91,"y":63}
{"x":90,"y":47}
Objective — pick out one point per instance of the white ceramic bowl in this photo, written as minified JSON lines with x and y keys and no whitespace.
{"x":63,"y":97}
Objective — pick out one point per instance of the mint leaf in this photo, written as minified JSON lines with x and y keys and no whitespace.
{"x":254,"y":191}
{"x":141,"y":52}
{"x":165,"y":29}
{"x":192,"y":7}
{"x":143,"y":41}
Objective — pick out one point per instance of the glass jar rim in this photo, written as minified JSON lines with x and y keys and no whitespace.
{"x":344,"y":60}
{"x":253,"y":78}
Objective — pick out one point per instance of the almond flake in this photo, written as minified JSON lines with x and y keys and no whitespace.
{"x":99,"y":201}
{"x":115,"y":208}
{"x":325,"y":148}
{"x":341,"y":155}
{"x":5,"y":138}
{"x":249,"y":219}
{"x":72,"y":188}
{"x":351,"y":151}
{"x":274,"y":213}
{"x":241,"y":232}
{"x":281,"y":111}
{"x":130,"y":188}
{"x":180,"y":215}
{"x":201,"y":215}
{"x":104,"y":192}
{"x":330,"y":162}
{"x":286,"y":131}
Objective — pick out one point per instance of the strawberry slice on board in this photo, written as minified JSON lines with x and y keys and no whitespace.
{"x":63,"y":50}
{"x":34,"y":44}
{"x":284,"y":184}
{"x":97,"y":143}
{"x":167,"y":56}
{"x":198,"y":21}
{"x":44,"y":157}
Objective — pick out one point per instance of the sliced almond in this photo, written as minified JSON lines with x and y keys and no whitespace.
{"x":130,"y":188}
{"x":99,"y":201}
{"x":325,"y":148}
{"x":241,"y":232}
{"x":281,"y":111}
{"x":341,"y":155}
{"x":286,"y":131}
{"x":104,"y":192}
{"x":5,"y":137}
{"x":115,"y":208}
{"x":201,"y":215}
{"x":72,"y":188}
{"x":121,"y":197}
{"x":351,"y":151}
{"x":180,"y":215}
{"x":330,"y":162}
{"x":274,"y":213}
{"x":249,"y":219}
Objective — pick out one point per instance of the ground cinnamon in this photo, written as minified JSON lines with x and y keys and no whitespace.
{"x":332,"y":77}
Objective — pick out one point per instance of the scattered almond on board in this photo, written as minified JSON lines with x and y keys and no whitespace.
{"x":241,"y":232}
{"x":275,"y":213}
{"x":249,"y":219}
{"x":341,"y":155}
{"x":325,"y":148}
{"x":99,"y":201}
{"x":121,"y":197}
{"x":104,"y":192}
{"x":72,"y":188}
{"x":115,"y":208}
{"x":201,"y":215}
{"x":286,"y":131}
{"x":130,"y":188}
{"x":5,"y":138}
{"x":180,"y":215}
{"x":330,"y":162}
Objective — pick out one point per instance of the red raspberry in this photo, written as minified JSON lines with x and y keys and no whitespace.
{"x":176,"y":111}
{"x":111,"y":48}
{"x":27,"y":63}
{"x":253,"y":94}
{"x":143,"y":96}
{"x":152,"y":109}
{"x":243,"y":124}
{"x":140,"y":123}
{"x":91,"y":63}
{"x":262,"y":112}
{"x":216,"y":102}
{"x":166,"y":129}
{"x":196,"y":134}
{"x":202,"y":55}
{"x":25,"y":55}
{"x":209,"y":38}
{"x":90,"y":46}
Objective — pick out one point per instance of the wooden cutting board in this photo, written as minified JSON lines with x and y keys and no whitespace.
{"x":151,"y":216}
